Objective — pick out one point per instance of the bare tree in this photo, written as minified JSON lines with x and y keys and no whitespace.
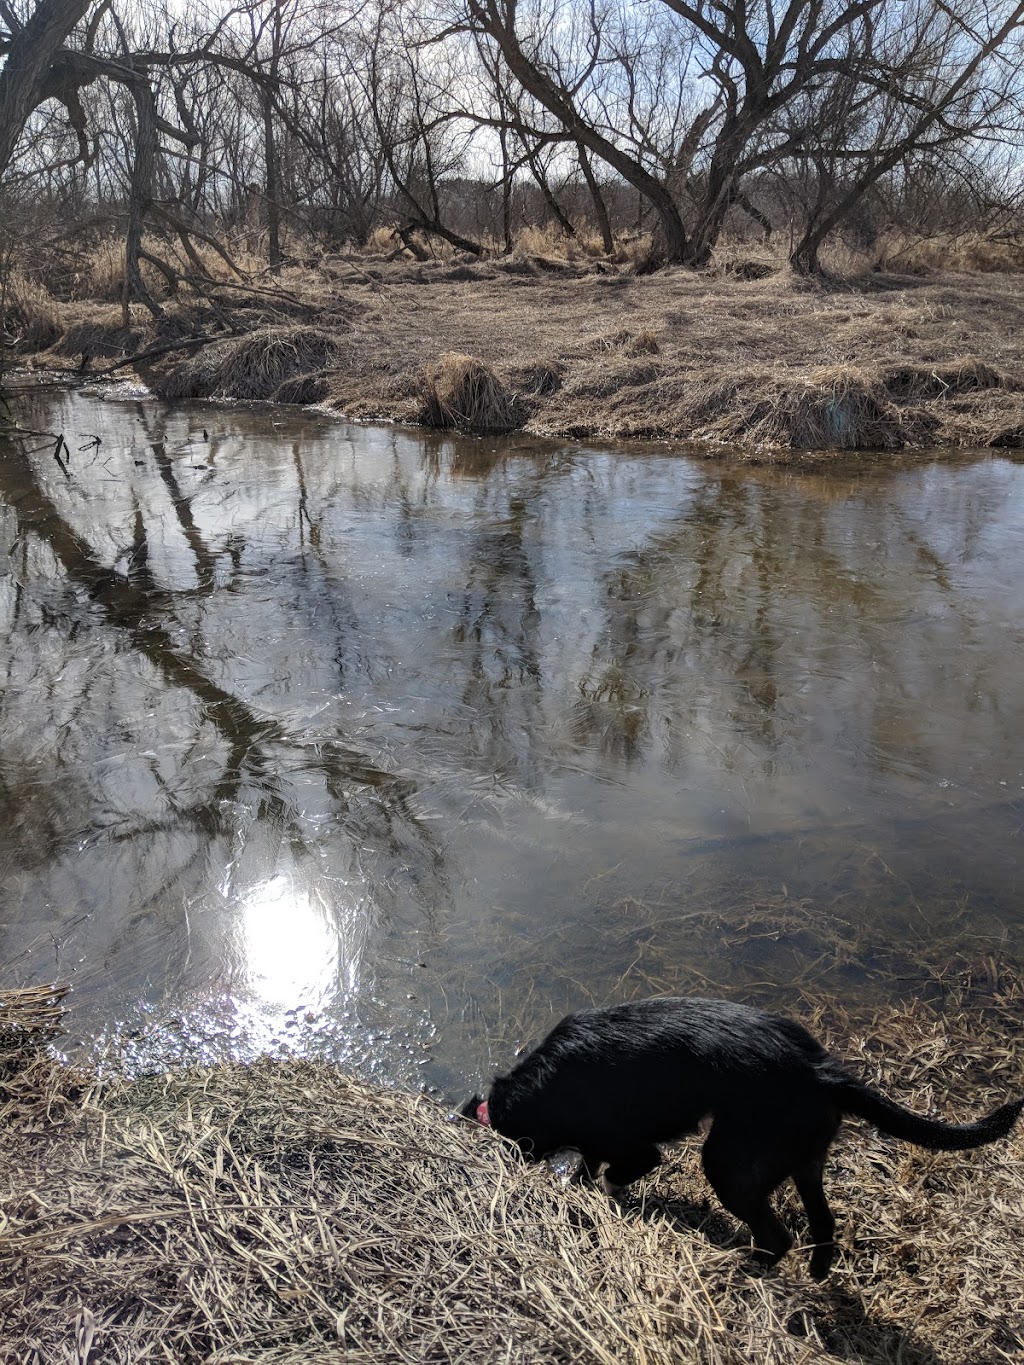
{"x":947,"y":92}
{"x":28,"y":75}
{"x":554,"y":75}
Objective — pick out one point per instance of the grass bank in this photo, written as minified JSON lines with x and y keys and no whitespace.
{"x":748,"y":357}
{"x":285,"y":1212}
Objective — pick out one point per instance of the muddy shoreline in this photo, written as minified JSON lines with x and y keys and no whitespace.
{"x":762,"y":368}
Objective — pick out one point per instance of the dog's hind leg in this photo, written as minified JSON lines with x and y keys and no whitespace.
{"x":625,"y":1167}
{"x":733,"y":1161}
{"x":807,"y":1179}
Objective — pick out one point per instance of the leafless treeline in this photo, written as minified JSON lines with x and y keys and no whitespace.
{"x":466,"y":120}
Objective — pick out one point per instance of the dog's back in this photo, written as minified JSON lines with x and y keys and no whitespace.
{"x":650,"y":1071}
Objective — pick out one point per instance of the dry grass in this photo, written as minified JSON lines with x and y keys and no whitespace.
{"x":29,"y":318}
{"x":765,"y":364}
{"x":273,"y":362}
{"x":966,"y":251}
{"x":29,"y":1016}
{"x":102,"y":334}
{"x":461,"y":393}
{"x":102,"y":277}
{"x":283,"y":1212}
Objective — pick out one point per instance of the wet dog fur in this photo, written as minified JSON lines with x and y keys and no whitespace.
{"x":616,"y":1082}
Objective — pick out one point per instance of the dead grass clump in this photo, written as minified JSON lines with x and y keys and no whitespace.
{"x":970,"y":252}
{"x":632,"y":343}
{"x":283,"y":1212}
{"x":853,"y":416}
{"x":516,"y":265}
{"x":304,"y":389}
{"x":833,"y":410}
{"x":749,"y":270}
{"x":461,"y":393}
{"x":103,"y":335}
{"x":541,"y":379}
{"x":552,"y":244}
{"x":910,"y":382}
{"x":37,"y":1093}
{"x":254,"y":366}
{"x":29,"y":315}
{"x":103,"y":278}
{"x":382,"y":241}
{"x":1008,"y":438}
{"x":601,"y":381}
{"x":30,"y":1016}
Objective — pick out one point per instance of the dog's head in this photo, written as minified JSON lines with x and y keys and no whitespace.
{"x":475,"y":1108}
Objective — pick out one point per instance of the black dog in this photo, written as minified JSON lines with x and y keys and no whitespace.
{"x":615,"y":1082}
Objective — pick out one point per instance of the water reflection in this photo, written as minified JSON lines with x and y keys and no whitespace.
{"x":288,"y":947}
{"x":426,"y":739}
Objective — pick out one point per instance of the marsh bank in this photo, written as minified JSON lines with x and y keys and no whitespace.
{"x":752,"y":367}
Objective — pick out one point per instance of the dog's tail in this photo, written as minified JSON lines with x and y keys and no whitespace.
{"x":857,"y":1098}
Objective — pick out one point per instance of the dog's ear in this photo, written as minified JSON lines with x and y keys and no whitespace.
{"x":468,"y":1110}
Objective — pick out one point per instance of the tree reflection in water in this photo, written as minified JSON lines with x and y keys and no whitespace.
{"x":293,"y":709}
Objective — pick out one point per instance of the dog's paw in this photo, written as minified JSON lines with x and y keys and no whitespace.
{"x":821,"y":1260}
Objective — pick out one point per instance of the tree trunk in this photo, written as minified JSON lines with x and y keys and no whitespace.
{"x":270,"y":194}
{"x":141,"y":192}
{"x":506,"y":192}
{"x":28,"y":62}
{"x":600,"y":207}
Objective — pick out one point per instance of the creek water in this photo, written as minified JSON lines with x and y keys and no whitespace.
{"x":393,"y":747}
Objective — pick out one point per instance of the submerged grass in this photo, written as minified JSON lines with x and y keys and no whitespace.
{"x":285,"y":1212}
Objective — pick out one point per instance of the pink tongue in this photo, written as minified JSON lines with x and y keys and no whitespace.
{"x":482,"y":1116}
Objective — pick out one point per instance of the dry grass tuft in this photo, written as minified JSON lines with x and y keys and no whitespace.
{"x":625,"y":341}
{"x":833,"y":409}
{"x":542,"y":378}
{"x":965,"y":251}
{"x":382,"y":241}
{"x":103,"y":274}
{"x":909,"y":382}
{"x":304,"y":389}
{"x":462,"y":393}
{"x":256,"y":366}
{"x":103,"y":335}
{"x":29,"y":1016}
{"x":29,"y":316}
{"x":283,"y":1212}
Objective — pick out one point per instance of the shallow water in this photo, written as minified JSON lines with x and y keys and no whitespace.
{"x":393,"y":747}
